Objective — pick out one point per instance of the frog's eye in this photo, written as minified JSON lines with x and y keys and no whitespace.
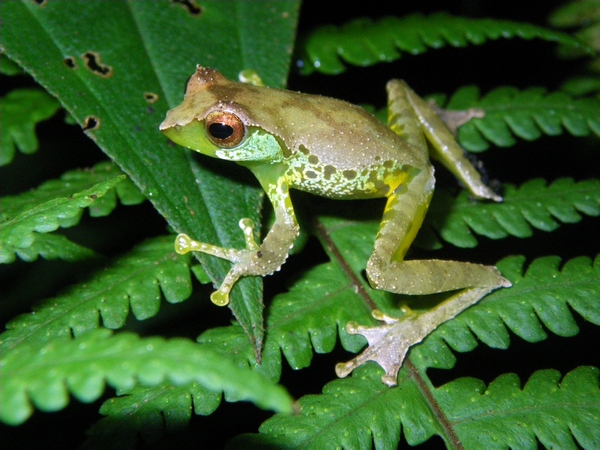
{"x":224,"y":129}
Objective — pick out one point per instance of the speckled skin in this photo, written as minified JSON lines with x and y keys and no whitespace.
{"x":334,"y":149}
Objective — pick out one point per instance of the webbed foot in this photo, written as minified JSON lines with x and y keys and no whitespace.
{"x":242,"y":259}
{"x":389,"y":342}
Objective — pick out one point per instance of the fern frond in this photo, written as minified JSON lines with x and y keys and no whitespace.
{"x":149,"y":412}
{"x":54,"y":246}
{"x":70,"y":183}
{"x":342,"y":417}
{"x":583,"y":14}
{"x":20,"y":230}
{"x":323,"y":302}
{"x":21,"y":110}
{"x":543,"y":298}
{"x":363,"y":42}
{"x":134,"y":282}
{"x":526,"y":114}
{"x":82,"y":366}
{"x":309,"y":316}
{"x":501,"y":416}
{"x":152,"y":411}
{"x":547,"y":409}
{"x":532,"y":205}
{"x":60,"y":203}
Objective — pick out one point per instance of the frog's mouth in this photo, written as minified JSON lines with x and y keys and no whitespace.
{"x":192,"y":136}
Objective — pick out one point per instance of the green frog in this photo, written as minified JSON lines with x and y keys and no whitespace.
{"x":334,"y":149}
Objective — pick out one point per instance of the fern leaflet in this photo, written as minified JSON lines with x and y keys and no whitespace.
{"x":478,"y":417}
{"x":83,"y":365}
{"x":543,"y":296}
{"x":547,"y":409}
{"x":21,"y":110}
{"x":363,"y":42}
{"x":320,"y":304}
{"x":526,"y":114}
{"x":149,"y":412}
{"x":135,"y":282}
{"x":533,"y":204}
{"x":60,"y":203}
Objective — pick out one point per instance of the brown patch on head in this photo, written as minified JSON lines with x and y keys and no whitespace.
{"x":204,"y":78}
{"x":94,"y":64}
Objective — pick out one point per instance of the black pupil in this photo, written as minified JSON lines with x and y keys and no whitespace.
{"x":220,"y":130}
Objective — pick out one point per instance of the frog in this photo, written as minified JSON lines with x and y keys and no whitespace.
{"x":335,"y":149}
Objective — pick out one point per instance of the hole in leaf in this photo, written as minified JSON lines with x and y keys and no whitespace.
{"x":70,"y":62}
{"x":40,"y":2}
{"x":92,"y":62}
{"x":91,"y":123}
{"x":150,"y":97}
{"x":190,"y":6}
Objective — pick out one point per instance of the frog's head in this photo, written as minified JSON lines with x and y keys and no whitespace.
{"x":212,"y":120}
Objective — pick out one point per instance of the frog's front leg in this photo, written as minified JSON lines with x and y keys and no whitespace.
{"x":254,"y":260}
{"x":453,"y":119}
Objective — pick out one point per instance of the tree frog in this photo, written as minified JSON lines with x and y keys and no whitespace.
{"x":334,"y":149}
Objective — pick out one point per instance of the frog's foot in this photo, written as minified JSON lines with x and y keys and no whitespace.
{"x":243,"y":260}
{"x":454,"y":119}
{"x":388,"y":343}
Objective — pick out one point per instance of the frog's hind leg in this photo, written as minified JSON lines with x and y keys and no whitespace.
{"x":413,"y":120}
{"x":387,"y":270}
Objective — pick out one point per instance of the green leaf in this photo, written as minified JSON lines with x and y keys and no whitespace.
{"x":119,"y":81}
{"x":54,"y":246}
{"x":22,"y":221}
{"x":540,"y":299}
{"x":557,"y":413}
{"x":70,"y":183}
{"x":134,"y":282}
{"x":84,"y":365}
{"x":343,"y":417}
{"x":575,"y":13}
{"x":359,"y":413}
{"x":21,"y":110}
{"x":363,"y":42}
{"x":322,"y":302}
{"x":532,"y":205}
{"x":584,"y":14}
{"x":149,"y":412}
{"x":526,"y":114}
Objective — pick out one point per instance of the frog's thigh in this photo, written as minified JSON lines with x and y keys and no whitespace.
{"x":403,"y":216}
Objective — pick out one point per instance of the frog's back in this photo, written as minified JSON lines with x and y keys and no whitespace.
{"x":337,"y":149}
{"x":338,"y":133}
